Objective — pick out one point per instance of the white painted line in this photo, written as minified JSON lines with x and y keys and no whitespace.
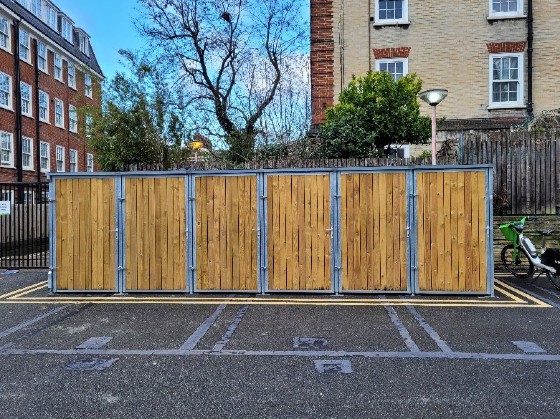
{"x":199,"y":333}
{"x":429,"y":330}
{"x":528,"y":347}
{"x":95,"y":342}
{"x":231,"y":329}
{"x":401,"y":328}
{"x":30,"y":322}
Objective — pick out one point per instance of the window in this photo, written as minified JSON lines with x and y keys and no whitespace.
{"x":88,"y":89}
{"x":66,"y":29}
{"x":396,"y":67}
{"x":7,"y":196}
{"x":42,"y":56}
{"x":59,"y":158}
{"x":45,"y":156}
{"x":43,"y":106}
{"x":84,"y":43}
{"x":506,"y":8}
{"x":25,"y":99}
{"x":506,"y":80}
{"x":71,"y":75}
{"x":57,"y":66}
{"x":59,"y":113}
{"x":36,"y":7}
{"x":89,"y":162}
{"x":89,"y":125}
{"x":51,"y":16}
{"x":5,"y":42}
{"x":5,"y":91}
{"x":24,"y":46}
{"x":27,"y":153}
{"x":391,"y":11}
{"x":72,"y":118}
{"x":73,"y":161}
{"x":7,"y":151}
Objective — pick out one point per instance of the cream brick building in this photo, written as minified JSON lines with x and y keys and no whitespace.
{"x":480,"y":50}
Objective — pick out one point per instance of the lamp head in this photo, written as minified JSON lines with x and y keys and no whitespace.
{"x":433,"y":96}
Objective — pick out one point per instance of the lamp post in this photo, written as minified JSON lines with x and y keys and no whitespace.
{"x":433,"y":97}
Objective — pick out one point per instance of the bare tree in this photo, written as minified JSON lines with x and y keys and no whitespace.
{"x":212,"y":45}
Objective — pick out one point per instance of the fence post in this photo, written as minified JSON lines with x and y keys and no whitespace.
{"x":52,"y":236}
{"x":412,"y":231}
{"x":262,"y":233}
{"x":335,"y":225}
{"x":190,"y":223}
{"x":490,"y":231}
{"x":120,"y":244}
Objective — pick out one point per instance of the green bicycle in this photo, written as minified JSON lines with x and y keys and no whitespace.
{"x":521,"y":259}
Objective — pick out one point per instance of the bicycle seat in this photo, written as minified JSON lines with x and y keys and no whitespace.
{"x":546,"y":232}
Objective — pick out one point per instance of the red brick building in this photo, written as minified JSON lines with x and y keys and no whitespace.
{"x":48,"y":76}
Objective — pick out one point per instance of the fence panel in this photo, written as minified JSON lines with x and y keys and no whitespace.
{"x":155,"y":229}
{"x":24,"y":234}
{"x":452,"y":248}
{"x":299,"y":232}
{"x":374,"y":232}
{"x":85,"y":234}
{"x":226,"y":233}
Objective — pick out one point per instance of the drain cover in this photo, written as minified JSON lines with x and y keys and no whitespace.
{"x":333,"y":367}
{"x":310,"y":343}
{"x":91,"y":364}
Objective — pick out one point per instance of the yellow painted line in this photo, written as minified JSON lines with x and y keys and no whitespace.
{"x":524,"y":295}
{"x":510,"y":295}
{"x":32,"y":288}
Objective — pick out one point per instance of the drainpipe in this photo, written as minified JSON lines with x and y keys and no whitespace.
{"x":37,"y":123}
{"x":530,"y":58}
{"x":19,"y":169}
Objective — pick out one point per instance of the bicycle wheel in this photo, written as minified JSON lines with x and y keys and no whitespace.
{"x":520,"y":266}
{"x":555,"y":280}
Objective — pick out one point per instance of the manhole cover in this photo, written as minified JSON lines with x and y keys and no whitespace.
{"x":333,"y":367}
{"x":91,"y":364}
{"x":310,"y":343}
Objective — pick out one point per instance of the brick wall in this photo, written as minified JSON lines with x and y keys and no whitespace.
{"x":448,"y":47}
{"x":48,"y":132}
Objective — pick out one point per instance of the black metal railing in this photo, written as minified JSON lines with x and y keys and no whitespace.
{"x":24,"y":228}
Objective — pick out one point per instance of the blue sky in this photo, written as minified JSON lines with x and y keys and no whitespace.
{"x":109,"y":23}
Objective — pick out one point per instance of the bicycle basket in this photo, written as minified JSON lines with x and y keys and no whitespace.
{"x":509,"y":233}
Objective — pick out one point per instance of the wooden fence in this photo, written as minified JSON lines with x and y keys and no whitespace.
{"x":348,"y":230}
{"x":527,"y":171}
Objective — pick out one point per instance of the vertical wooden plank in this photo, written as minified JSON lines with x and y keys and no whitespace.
{"x":223,"y":235}
{"x":131,"y":234}
{"x":370,"y":230}
{"x":281,"y":238}
{"x":383,"y":230}
{"x":454,"y":229}
{"x":234,"y":229}
{"x":321,"y":235}
{"x":151,"y":198}
{"x":170,"y":246}
{"x":180,"y":278}
{"x":244,"y":229}
{"x":482,"y":229}
{"x":434,"y":233}
{"x":397,"y":233}
{"x":110,"y":234}
{"x":388,"y":180}
{"x":469,"y":283}
{"x":327,"y":225}
{"x":204,"y":238}
{"x":461,"y":231}
{"x":344,"y":230}
{"x":404,"y":239}
{"x":157,"y":281}
{"x":62,"y":254}
{"x":139,"y":233}
{"x":302,"y":228}
{"x":441,"y":233}
{"x":448,"y":238}
{"x":362,"y":223}
{"x":167,"y":280}
{"x":308,"y":233}
{"x":376,"y":218}
{"x":475,"y":230}
{"x":420,"y":217}
{"x":275,"y":230}
{"x":294,"y":211}
{"x":254,"y":197}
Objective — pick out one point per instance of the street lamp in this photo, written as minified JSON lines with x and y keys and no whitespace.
{"x":433,"y":97}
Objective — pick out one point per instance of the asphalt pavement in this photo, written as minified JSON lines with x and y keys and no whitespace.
{"x":278,"y":356}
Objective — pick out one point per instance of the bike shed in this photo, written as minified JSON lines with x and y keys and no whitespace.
{"x":408,"y":230}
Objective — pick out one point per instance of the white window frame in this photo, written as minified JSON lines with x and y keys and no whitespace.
{"x":71,"y":70}
{"x":26,"y":94}
{"x":518,"y":13}
{"x":402,"y":20}
{"x":520,"y":102}
{"x":84,"y":43}
{"x":404,"y":61}
{"x":72,"y":118}
{"x":6,"y":138}
{"x":60,"y":158}
{"x":42,"y":60}
{"x":45,"y":118}
{"x":27,"y":151}
{"x":88,"y":86}
{"x":73,"y":164}
{"x":51,"y":16}
{"x":66,"y":29}
{"x":89,"y":162}
{"x":58,"y":103}
{"x":24,"y":35}
{"x":5,"y":34}
{"x":9,"y":105}
{"x":58,"y":70}
{"x":36,"y":7}
{"x":45,"y":157}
